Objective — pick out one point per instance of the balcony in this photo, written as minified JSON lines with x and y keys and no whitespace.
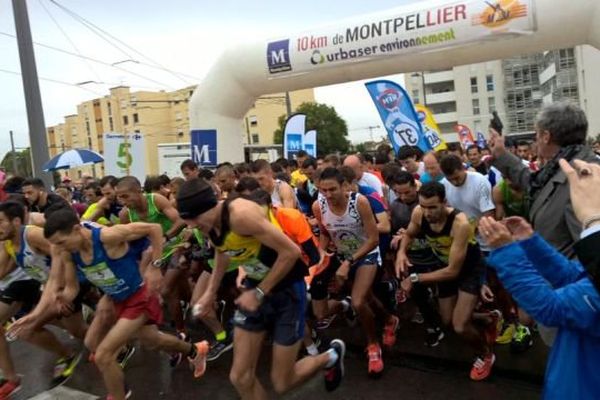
{"x":445,"y":97}
{"x":442,"y":76}
{"x":446,"y":117}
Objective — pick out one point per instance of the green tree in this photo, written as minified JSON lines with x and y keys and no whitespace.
{"x":23,"y":162}
{"x":331,"y":128}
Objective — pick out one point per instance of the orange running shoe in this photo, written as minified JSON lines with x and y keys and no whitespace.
{"x":482,"y":367}
{"x":389,"y":331}
{"x":199,"y":361}
{"x":375,"y":360}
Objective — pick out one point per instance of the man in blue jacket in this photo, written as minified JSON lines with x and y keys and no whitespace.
{"x":556,"y":292}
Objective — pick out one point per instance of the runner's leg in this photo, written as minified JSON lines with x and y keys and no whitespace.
{"x":246,"y":351}
{"x":6,"y":364}
{"x":287,"y":373}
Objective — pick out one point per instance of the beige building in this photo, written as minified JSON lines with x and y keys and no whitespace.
{"x":161,"y":117}
{"x":462,"y":95}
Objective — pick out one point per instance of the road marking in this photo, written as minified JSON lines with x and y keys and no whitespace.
{"x":64,"y":393}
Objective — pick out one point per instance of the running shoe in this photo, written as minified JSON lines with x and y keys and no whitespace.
{"x":325,"y":322}
{"x":433,"y":337}
{"x":522,"y":340}
{"x":125,"y":355}
{"x":506,"y":334}
{"x":375,"y":360}
{"x":64,"y":368}
{"x":176,"y":358}
{"x":8,"y":388}
{"x":198,"y":363}
{"x":335,"y":374}
{"x":389,"y":331}
{"x":491,"y":331}
{"x":349,"y":314}
{"x":482,"y":367}
{"x":218,"y":348}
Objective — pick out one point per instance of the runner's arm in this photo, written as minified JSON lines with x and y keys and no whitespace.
{"x":118,"y":234}
{"x":124,"y":216}
{"x":412,"y":230}
{"x":250,"y":220}
{"x":216,"y":276}
{"x":288,"y":198}
{"x":461,"y":230}
{"x":101,"y":208}
{"x":383,"y":222}
{"x":324,"y":238}
{"x":499,"y":202}
{"x":370,"y":226}
{"x":164,"y":206}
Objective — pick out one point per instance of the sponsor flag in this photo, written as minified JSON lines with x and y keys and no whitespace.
{"x":464,"y":135}
{"x":310,"y":143}
{"x":430,"y":127}
{"x":293,"y":135}
{"x":481,"y":142}
{"x":398,"y":115}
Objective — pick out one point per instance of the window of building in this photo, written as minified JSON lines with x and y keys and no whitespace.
{"x":133,"y":100}
{"x":123,"y":103}
{"x":110,"y":124}
{"x":109,"y":108}
{"x":87,"y":127}
{"x":253,"y":120}
{"x":492,"y":104}
{"x":474,"y":85}
{"x":137,"y":131}
{"x":125,"y":120}
{"x":255,"y":138}
{"x":415,"y":96}
{"x":476,"y":110}
{"x":489,"y":83}
{"x":136,"y":118}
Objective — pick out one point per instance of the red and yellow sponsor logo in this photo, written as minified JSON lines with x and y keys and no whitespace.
{"x":499,"y":12}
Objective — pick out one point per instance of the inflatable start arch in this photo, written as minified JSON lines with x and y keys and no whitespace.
{"x":426,"y":35}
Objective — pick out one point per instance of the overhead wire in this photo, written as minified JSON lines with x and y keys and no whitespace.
{"x":6,"y":71}
{"x":94,"y":28}
{"x":50,"y":47}
{"x":94,"y":72}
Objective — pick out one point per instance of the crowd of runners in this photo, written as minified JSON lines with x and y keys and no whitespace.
{"x":264,"y":253}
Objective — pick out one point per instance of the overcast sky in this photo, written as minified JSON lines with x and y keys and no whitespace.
{"x":186,"y":36}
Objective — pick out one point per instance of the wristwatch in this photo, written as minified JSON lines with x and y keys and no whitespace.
{"x":260,"y":295}
{"x":414,"y":278}
{"x":157,"y":263}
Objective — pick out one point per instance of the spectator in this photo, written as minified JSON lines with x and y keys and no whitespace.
{"x":331,"y":160}
{"x":524,"y":150}
{"x":474,"y":156}
{"x":561,"y":130}
{"x":189,"y":169}
{"x":38,"y":198}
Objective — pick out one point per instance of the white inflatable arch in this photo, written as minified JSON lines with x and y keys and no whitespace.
{"x":426,"y":35}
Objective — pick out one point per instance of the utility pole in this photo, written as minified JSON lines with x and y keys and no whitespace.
{"x":288,"y":104}
{"x":31,"y":88}
{"x":14,"y":155}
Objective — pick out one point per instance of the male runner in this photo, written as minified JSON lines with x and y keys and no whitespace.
{"x":38,"y":197}
{"x":108,"y":207}
{"x":155,"y":208}
{"x":282,"y":194}
{"x":275,"y":298}
{"x":26,"y":247}
{"x":109,"y":258}
{"x":452,"y":240}
{"x":346,"y":219}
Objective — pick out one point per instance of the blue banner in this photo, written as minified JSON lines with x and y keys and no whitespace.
{"x":398,"y":115}
{"x":204,"y":147}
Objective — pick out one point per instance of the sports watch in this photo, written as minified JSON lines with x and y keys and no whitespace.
{"x":414,"y":278}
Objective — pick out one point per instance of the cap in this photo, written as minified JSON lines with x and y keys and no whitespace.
{"x":195,"y":197}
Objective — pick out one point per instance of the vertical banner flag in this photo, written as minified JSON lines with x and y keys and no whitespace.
{"x":204,"y":147}
{"x":430,"y":128}
{"x":124,"y":155}
{"x":464,"y":135}
{"x":310,"y":143}
{"x":481,"y":142}
{"x":398,"y":115}
{"x":293,"y":135}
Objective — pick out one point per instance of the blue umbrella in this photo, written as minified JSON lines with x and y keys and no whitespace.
{"x":73,"y":159}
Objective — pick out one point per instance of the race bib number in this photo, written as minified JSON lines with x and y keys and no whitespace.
{"x":255,"y":270}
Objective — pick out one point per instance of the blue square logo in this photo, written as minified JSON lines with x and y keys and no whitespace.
{"x":278,"y":56}
{"x":204,"y":147}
